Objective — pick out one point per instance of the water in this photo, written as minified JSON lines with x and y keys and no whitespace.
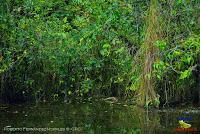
{"x":93,"y":117}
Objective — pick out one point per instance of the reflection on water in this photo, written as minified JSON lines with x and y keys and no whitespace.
{"x":93,"y":117}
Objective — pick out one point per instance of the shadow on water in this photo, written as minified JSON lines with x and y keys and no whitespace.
{"x":92,"y":117}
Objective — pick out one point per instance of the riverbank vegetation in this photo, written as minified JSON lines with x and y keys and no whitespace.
{"x":145,"y":51}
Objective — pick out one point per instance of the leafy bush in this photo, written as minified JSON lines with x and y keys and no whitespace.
{"x":89,"y":47}
{"x":73,"y":46}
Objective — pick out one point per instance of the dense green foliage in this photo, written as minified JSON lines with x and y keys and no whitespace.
{"x":86,"y":47}
{"x":180,"y":52}
{"x":74,"y":46}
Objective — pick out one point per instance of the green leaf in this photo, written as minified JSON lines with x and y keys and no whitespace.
{"x":106,"y":46}
{"x":160,"y":44}
{"x":185,"y":74}
{"x":180,"y":1}
{"x":69,"y":92}
{"x":177,"y":53}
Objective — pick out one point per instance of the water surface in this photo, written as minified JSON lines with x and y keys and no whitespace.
{"x":93,"y":117}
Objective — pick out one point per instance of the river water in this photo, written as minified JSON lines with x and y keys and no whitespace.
{"x":94,"y":117}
